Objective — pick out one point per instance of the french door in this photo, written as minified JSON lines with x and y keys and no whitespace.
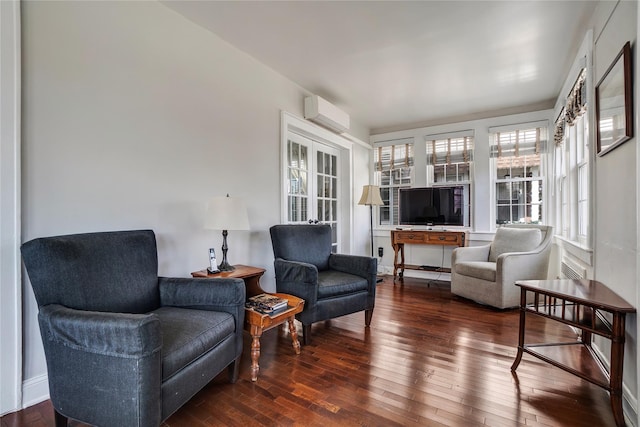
{"x":313,"y":192}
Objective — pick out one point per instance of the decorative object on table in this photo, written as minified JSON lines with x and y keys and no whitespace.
{"x":371,"y":197}
{"x":331,"y":284}
{"x":614,"y":103}
{"x":213,"y":264}
{"x":226,"y":213}
{"x":267,"y":304}
{"x":123,"y":346}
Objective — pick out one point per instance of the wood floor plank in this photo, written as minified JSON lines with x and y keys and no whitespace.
{"x":428,"y":359}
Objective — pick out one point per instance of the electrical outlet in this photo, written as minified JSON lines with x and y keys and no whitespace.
{"x":380,"y":251}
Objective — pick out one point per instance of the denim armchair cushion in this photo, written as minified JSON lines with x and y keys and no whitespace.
{"x":115,"y":272}
{"x":333,"y":283}
{"x":308,"y":244}
{"x":189,"y":334}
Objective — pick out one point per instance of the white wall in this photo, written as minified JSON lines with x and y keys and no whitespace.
{"x":133,"y":117}
{"x":616,"y":188}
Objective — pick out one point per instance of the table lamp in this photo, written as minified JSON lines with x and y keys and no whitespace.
{"x":226,"y":213}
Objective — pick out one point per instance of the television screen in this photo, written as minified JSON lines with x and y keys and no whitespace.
{"x":434,"y":206}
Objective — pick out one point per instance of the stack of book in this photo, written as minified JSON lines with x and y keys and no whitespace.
{"x":267,"y":304}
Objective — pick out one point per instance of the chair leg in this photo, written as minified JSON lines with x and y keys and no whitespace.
{"x":233,"y":370}
{"x":368,"y":314}
{"x":306,"y":337}
{"x":60,"y":420}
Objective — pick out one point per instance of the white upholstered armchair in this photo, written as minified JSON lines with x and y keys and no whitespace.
{"x":487,"y":274}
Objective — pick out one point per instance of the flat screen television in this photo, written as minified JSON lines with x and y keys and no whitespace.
{"x":434,"y":206}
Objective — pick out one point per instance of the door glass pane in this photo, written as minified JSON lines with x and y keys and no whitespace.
{"x":303,"y":158}
{"x":303,"y":182}
{"x":303,"y":209}
{"x":297,"y":185}
{"x":320,"y":164}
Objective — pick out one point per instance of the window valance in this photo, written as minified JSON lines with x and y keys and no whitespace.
{"x":575,"y":107}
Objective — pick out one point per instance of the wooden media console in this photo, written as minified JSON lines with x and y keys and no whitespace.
{"x":422,"y":237}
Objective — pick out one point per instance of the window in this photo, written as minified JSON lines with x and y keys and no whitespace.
{"x":572,"y":155}
{"x":519,"y":164}
{"x":449,"y":159}
{"x":393,"y":165}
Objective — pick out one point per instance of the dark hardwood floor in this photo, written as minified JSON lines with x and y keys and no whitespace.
{"x":428,"y":359}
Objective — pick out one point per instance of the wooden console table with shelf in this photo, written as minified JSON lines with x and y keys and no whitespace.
{"x":422,"y":237}
{"x":591,"y":307}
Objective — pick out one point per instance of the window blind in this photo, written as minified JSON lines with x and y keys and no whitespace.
{"x":393,"y":157}
{"x":450,"y":150}
{"x":519,"y":143}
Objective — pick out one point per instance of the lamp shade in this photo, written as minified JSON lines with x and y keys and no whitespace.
{"x":226,"y":213}
{"x":371,"y":196}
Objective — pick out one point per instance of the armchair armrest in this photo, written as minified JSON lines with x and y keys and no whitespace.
{"x":513,"y":266}
{"x":112,"y":334}
{"x":226,"y":295}
{"x":95,"y":359}
{"x":297,"y":278}
{"x":362,"y":266}
{"x":470,"y":253}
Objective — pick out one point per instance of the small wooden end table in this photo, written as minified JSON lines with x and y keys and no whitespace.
{"x":593,"y":308}
{"x":250,"y":275}
{"x":255,"y":323}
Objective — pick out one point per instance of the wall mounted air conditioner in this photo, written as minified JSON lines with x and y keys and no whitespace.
{"x":326,"y":114}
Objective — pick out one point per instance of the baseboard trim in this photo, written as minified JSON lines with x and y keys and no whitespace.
{"x":35,"y":390}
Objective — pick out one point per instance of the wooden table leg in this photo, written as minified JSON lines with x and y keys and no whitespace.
{"x":617,"y":360}
{"x":256,"y":333}
{"x":294,"y":334}
{"x":523,"y":309}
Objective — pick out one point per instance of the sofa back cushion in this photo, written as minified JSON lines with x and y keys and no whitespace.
{"x":509,"y":239}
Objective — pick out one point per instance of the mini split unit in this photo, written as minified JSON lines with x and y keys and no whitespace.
{"x":324,"y":113}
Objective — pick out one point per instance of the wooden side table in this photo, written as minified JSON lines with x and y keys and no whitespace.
{"x":593,"y":308}
{"x":250,"y":275}
{"x":254,"y":322}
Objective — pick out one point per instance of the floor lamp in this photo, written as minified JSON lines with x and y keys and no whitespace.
{"x":371,"y":197}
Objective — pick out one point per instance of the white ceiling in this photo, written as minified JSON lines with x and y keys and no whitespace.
{"x":401,"y":64}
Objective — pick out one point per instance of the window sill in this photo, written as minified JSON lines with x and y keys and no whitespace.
{"x":578,"y":250}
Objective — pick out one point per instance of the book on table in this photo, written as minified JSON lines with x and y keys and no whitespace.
{"x":268,"y":304}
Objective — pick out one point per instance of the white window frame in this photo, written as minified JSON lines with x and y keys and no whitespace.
{"x":393,"y":189}
{"x":574,"y":184}
{"x":540,"y":178}
{"x":446,"y":139}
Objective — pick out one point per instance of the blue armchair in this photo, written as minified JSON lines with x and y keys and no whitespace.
{"x":332,"y":285}
{"x":123,"y":346}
